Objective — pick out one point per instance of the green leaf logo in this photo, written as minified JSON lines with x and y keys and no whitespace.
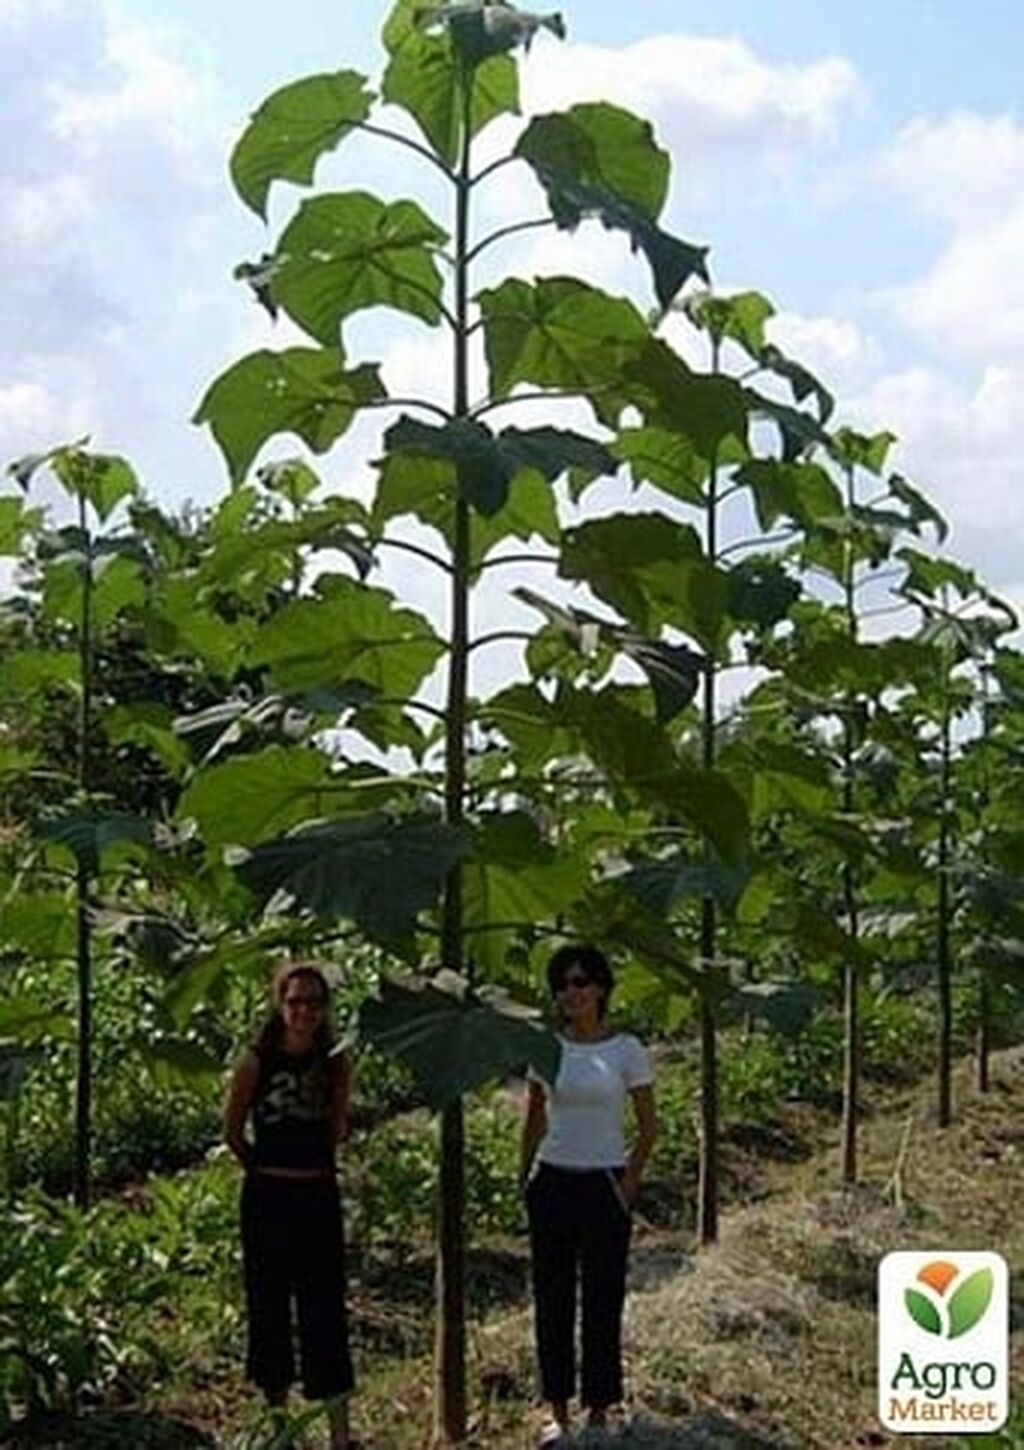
{"x":923,"y":1311}
{"x":967,"y":1304}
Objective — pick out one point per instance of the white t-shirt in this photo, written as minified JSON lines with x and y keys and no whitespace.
{"x":586,"y":1105}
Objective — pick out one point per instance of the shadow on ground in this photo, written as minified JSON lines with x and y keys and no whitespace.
{"x":108,"y":1430}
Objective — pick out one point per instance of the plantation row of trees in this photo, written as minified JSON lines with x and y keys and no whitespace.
{"x":221,"y":739}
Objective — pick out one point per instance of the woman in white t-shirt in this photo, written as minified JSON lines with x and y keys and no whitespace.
{"x":582,"y":1187}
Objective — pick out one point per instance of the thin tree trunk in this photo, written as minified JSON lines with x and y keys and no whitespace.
{"x":851,"y":1043}
{"x":82,"y":1178}
{"x":450,"y":1355}
{"x":943,"y":972}
{"x":982,"y":1040}
{"x":707,"y":1171}
{"x":851,"y":974}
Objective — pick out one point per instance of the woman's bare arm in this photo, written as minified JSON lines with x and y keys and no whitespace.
{"x":238,"y":1104}
{"x":535,"y":1122}
{"x":341,"y":1088}
{"x":646,"y":1133}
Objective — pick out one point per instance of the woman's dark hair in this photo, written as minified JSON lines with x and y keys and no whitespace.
{"x":271,"y":1034}
{"x":591,"y":961}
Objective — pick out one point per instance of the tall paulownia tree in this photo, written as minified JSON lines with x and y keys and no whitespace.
{"x":443,"y":862}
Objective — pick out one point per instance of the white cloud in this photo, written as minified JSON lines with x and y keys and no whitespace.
{"x":970,"y":302}
{"x":708,"y":93}
{"x":961,"y":442}
{"x":106,"y":206}
{"x":966,"y":170}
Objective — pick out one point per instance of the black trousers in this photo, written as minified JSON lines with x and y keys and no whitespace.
{"x":293,"y":1252}
{"x":579,"y":1233}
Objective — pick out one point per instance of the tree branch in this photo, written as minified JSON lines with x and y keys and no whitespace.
{"x":500,"y":634}
{"x":519,"y":559}
{"x":415,"y":549}
{"x":508,"y":231}
{"x":540,"y":395}
{"x":413,"y":145}
{"x":493,"y":167}
{"x":434,"y":408}
{"x":778,"y":538}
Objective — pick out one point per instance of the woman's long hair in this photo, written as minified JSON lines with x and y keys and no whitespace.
{"x":271,"y":1034}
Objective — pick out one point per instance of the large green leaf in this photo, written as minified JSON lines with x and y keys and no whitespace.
{"x":377,"y":871}
{"x":662,"y":884}
{"x":513,"y":876}
{"x":635,"y":562}
{"x":348,"y":251}
{"x":860,"y":450}
{"x":425,"y":74}
{"x":328,"y":526}
{"x":668,"y":460}
{"x":15,"y":522}
{"x":40,"y":924}
{"x":803,"y":383}
{"x":561,"y":334}
{"x":638,"y":757}
{"x":116,"y":585}
{"x":103,"y":480}
{"x":251,"y":797}
{"x":293,"y":128}
{"x":175,"y":1061}
{"x":147,"y":723}
{"x":710,"y":411}
{"x":760,"y":592}
{"x":28,"y":1018}
{"x":801,"y":492}
{"x":305,"y":391}
{"x":453,"y":1039}
{"x":89,"y":834}
{"x":800,"y":433}
{"x":180,"y":625}
{"x":597,"y":160}
{"x":483,"y":470}
{"x":529,"y":721}
{"x":740,"y":317}
{"x":485,"y":464}
{"x":919,"y":509}
{"x":929,"y":576}
{"x":348,"y":631}
{"x":673,"y":670}
{"x":786,"y":1006}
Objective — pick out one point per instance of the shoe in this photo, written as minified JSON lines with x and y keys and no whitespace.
{"x":552,"y":1434}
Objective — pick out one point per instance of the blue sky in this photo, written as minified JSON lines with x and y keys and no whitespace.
{"x":862,"y":165}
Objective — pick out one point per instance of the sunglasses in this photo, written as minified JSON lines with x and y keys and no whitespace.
{"x":574,"y":979}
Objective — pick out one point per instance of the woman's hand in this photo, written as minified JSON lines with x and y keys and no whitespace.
{"x":630,"y":1186}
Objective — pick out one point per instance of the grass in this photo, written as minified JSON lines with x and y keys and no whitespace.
{"x":765,"y":1340}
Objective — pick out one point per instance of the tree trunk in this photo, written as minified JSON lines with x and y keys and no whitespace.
{"x":943,"y":974}
{"x":984,"y":1033}
{"x":82,"y":1178}
{"x":707,"y":1172}
{"x":450,"y":1358}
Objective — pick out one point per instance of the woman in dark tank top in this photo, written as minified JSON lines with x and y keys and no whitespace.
{"x":293,"y":1085}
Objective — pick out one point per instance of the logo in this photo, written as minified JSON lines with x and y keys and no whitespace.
{"x":965,"y":1306}
{"x":943,"y":1339}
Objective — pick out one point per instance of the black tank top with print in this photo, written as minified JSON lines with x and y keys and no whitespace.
{"x":291,"y":1111}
